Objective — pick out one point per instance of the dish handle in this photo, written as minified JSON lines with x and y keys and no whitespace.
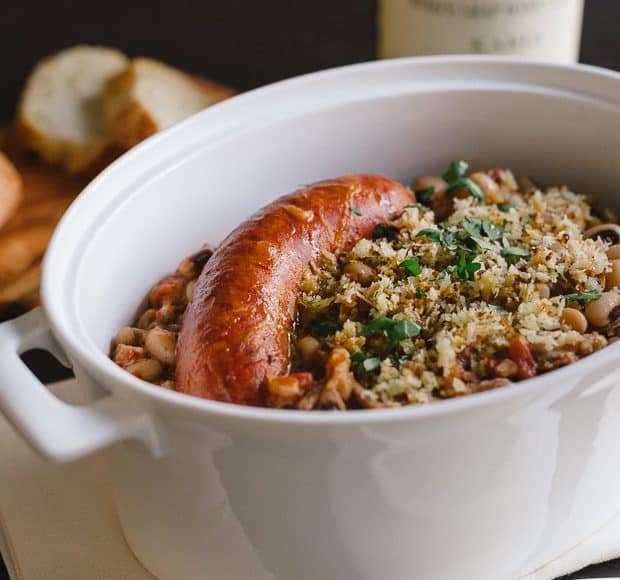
{"x":58,"y":431}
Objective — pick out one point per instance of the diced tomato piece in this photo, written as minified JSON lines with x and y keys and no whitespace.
{"x":519,"y":351}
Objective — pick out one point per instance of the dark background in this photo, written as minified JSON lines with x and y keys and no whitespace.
{"x":245,"y":43}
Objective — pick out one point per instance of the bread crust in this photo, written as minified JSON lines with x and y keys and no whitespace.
{"x":128,"y":120}
{"x":82,"y":155}
{"x":236,"y":330}
{"x":10,"y":189}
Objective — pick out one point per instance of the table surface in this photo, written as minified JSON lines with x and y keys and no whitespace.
{"x":327,"y":34}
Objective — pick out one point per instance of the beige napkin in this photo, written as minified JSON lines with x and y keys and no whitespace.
{"x":58,"y":522}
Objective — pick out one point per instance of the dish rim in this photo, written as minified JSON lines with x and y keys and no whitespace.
{"x":98,"y":364}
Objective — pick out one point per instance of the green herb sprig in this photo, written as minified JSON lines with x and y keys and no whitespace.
{"x":583,"y":296}
{"x":395,"y":330}
{"x":412,"y":266}
{"x":369,"y":364}
{"x":456,"y":179}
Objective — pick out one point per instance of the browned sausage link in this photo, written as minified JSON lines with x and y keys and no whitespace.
{"x":236,"y":330}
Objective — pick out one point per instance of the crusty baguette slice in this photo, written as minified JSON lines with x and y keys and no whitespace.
{"x":60,"y":115}
{"x":149,"y":96}
{"x":10,"y":189}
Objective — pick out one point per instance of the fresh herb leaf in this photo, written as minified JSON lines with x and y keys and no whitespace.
{"x":412,"y":266}
{"x":356,"y":210}
{"x":379,"y":324}
{"x":430,"y":234}
{"x":515,"y":252}
{"x":577,"y":296}
{"x":403,"y":329}
{"x":467,"y":184}
{"x":449,"y":240}
{"x":418,"y":205}
{"x":371,"y":364}
{"x":506,"y":207}
{"x":358,"y":356}
{"x":323,"y":328}
{"x":393,"y":329}
{"x":492,"y":231}
{"x":466,"y":268}
{"x":446,"y":272}
{"x":498,"y":308}
{"x":456,"y":170}
{"x":426,"y":194}
{"x":472,"y":225}
{"x":483,"y":243}
{"x":384,"y":230}
{"x":420,"y":293}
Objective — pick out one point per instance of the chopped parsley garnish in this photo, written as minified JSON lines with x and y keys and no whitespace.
{"x":467,"y":184}
{"x":577,"y":296}
{"x":356,"y":210}
{"x":420,"y":293}
{"x":450,"y":240}
{"x":456,"y":179}
{"x":426,"y":194}
{"x":430,"y":234}
{"x":395,"y":330}
{"x":412,"y":266}
{"x":515,"y":252}
{"x":323,"y":328}
{"x":466,"y":268}
{"x":446,"y":272}
{"x":456,"y":170}
{"x":498,"y":308}
{"x":492,"y":231}
{"x":384,"y":230}
{"x":403,"y":329}
{"x":381,"y":323}
{"x":371,"y":364}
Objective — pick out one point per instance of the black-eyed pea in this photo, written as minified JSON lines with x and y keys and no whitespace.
{"x":614,"y":252}
{"x":147,"y":319}
{"x":604,"y":310}
{"x":575,"y":319}
{"x":162,"y":345}
{"x":147,"y":369}
{"x":507,"y":368}
{"x":359,"y":272}
{"x":607,"y":232}
{"x":487,"y":184}
{"x":612,"y":279}
{"x":308,"y":347}
{"x":427,"y":181}
{"x":125,"y":335}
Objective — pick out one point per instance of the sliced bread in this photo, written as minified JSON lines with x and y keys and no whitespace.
{"x":149,"y":96}
{"x":61,"y":114}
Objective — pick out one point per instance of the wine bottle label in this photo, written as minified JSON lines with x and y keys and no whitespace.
{"x":547,"y":29}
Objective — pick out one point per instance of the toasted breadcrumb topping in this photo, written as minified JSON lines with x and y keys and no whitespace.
{"x":480,"y":296}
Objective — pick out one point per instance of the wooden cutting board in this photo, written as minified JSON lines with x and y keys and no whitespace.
{"x":47,"y":192}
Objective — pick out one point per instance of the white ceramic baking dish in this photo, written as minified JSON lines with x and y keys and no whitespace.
{"x":487,"y":487}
